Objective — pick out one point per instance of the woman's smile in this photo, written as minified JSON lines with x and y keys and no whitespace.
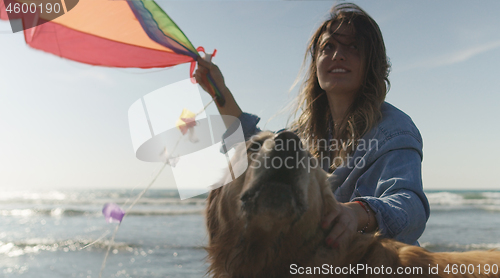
{"x":338,"y":70}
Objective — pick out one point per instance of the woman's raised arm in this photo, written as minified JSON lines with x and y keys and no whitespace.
{"x":230,"y":108}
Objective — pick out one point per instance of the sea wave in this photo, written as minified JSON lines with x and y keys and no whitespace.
{"x":439,"y":201}
{"x":63,"y":212}
{"x":38,"y":245}
{"x":449,"y":247}
{"x":154,"y":197}
{"x":483,"y":200}
{"x":55,"y":212}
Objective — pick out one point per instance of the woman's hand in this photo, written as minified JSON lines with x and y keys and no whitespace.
{"x":230,"y":108}
{"x":345,"y":224}
{"x":201,"y":76}
{"x":347,"y":220}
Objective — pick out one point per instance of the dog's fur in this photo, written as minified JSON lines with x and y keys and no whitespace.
{"x":268,"y":219}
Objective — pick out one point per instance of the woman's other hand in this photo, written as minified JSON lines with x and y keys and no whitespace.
{"x":347,"y":220}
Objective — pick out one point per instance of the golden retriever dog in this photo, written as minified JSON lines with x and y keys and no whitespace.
{"x":266,"y":223}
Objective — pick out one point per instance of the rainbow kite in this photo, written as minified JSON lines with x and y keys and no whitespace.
{"x":133,"y":33}
{"x":112,"y":33}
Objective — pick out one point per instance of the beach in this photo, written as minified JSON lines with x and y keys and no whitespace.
{"x":43,"y":234}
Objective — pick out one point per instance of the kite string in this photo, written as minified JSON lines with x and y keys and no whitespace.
{"x":124,"y":204}
{"x":205,"y":108}
{"x":164,"y":164}
{"x":93,"y":242}
{"x":168,"y":157}
{"x":139,"y":184}
{"x":146,"y":189}
{"x":111,"y":242}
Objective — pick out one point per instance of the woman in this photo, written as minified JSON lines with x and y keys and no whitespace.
{"x":373,"y":149}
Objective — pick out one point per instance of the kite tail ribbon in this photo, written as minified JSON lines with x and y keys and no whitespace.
{"x":219,"y":98}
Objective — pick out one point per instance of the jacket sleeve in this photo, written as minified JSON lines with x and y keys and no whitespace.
{"x":249,"y":127}
{"x":399,"y":203}
{"x":249,"y":124}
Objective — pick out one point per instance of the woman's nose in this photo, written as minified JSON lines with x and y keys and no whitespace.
{"x":338,"y":54}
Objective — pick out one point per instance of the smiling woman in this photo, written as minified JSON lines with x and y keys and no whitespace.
{"x":64,"y":126}
{"x":342,"y":99}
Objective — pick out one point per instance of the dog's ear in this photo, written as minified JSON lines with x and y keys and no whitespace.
{"x":255,"y":142}
{"x":212,"y":220}
{"x":330,"y":204}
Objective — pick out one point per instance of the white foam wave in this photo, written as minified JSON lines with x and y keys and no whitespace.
{"x":33,"y":196}
{"x":17,"y":212}
{"x":167,"y":212}
{"x":461,"y":247}
{"x":62,"y":212}
{"x":464,"y":200}
{"x":11,"y":250}
{"x":445,"y":198}
{"x":85,"y":199}
{"x":37,"y":245}
{"x":491,"y":195}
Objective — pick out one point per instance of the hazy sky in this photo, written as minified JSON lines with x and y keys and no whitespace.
{"x":64,"y":124}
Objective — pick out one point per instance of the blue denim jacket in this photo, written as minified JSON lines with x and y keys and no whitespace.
{"x":384,"y":171}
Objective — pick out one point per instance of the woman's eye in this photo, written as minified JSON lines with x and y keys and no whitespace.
{"x":327,"y":46}
{"x":353,"y":46}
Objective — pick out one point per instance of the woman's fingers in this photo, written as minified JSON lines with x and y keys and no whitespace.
{"x":333,"y":237}
{"x":203,"y":63}
{"x":337,"y":230}
{"x":207,"y":67}
{"x":340,"y":234}
{"x":201,"y":75}
{"x":345,"y":226}
{"x":202,"y":79}
{"x":329,"y":218}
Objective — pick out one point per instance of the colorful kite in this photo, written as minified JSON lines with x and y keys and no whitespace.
{"x":126,"y":34}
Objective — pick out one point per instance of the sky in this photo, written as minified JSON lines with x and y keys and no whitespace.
{"x":64,"y":125}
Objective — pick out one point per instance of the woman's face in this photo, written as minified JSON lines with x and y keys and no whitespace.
{"x":340,"y":64}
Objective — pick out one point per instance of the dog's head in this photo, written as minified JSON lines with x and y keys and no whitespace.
{"x":283,"y":185}
{"x":281,"y":198}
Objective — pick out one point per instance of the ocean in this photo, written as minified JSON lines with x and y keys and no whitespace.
{"x":43,"y":234}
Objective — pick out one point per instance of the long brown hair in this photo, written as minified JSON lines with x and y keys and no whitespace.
{"x":315,"y":123}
